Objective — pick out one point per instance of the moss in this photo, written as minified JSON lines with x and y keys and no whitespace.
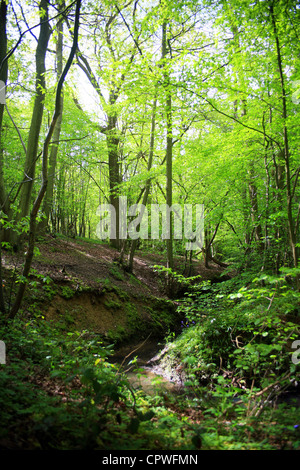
{"x":134,"y":279}
{"x":69,"y":319}
{"x":113,"y":304}
{"x":132,"y":316}
{"x":67,"y":292}
{"x":162,"y":313}
{"x":121,"y":293}
{"x":117,"y":335}
{"x":116,"y":273}
{"x":107,"y":286}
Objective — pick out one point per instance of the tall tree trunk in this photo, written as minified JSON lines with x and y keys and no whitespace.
{"x":148,"y":181}
{"x":113,"y":142}
{"x":37,"y":116}
{"x":289,"y":195}
{"x":38,"y":201}
{"x":254,"y":209}
{"x":111,"y":133}
{"x":48,"y":200}
{"x":169,"y":147}
{"x":4,"y":203}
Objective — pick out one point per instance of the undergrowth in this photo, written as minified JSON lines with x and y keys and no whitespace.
{"x":237,"y":360}
{"x":59,"y":391}
{"x":240,"y":350}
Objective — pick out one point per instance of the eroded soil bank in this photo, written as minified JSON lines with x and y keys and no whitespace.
{"x":81,"y":285}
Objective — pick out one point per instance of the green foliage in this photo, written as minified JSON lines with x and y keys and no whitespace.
{"x":113,"y":304}
{"x":247,"y":330}
{"x":59,"y":392}
{"x":62,"y":388}
{"x":19,"y":227}
{"x":67,"y":292}
{"x":116,"y":273}
{"x":235,"y":347}
{"x":39,"y":352}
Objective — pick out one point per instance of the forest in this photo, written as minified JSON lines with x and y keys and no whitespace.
{"x":149,"y":225}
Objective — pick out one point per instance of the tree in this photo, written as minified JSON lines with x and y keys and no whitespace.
{"x":38,"y":201}
{"x":36,"y":119}
{"x":292,"y":230}
{"x":48,"y":200}
{"x":3,"y":78}
{"x":106,"y":23}
{"x":169,"y":145}
{"x":186,"y":114}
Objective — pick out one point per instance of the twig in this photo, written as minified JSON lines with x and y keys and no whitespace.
{"x":133,"y":351}
{"x":17,"y":129}
{"x":10,"y":53}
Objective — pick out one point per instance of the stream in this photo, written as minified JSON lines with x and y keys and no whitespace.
{"x":140,"y":363}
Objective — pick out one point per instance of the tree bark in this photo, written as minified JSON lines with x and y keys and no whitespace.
{"x":254,"y":210}
{"x":4,"y":203}
{"x":289,"y":195}
{"x":48,"y":200}
{"x":148,"y":182}
{"x":169,"y":147}
{"x":113,"y":141}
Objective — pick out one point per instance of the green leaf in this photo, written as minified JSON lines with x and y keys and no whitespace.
{"x":134,"y":425}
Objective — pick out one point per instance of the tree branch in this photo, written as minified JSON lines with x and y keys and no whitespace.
{"x":10,"y":53}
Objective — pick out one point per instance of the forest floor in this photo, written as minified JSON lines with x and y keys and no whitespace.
{"x":89,"y":262}
{"x":93,"y":291}
{"x":79,"y":287}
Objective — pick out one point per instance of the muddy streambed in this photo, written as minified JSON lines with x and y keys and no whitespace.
{"x":141,"y":364}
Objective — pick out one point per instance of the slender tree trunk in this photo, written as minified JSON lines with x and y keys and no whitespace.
{"x":289,"y":196}
{"x":4,"y":202}
{"x":148,"y":182}
{"x":113,"y":142}
{"x":48,"y":200}
{"x":169,"y":148}
{"x":36,"y":119}
{"x":254,"y":210}
{"x":111,"y":133}
{"x":38,"y":201}
{"x":169,"y":171}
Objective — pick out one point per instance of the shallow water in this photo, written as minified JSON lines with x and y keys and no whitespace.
{"x":141,"y":368}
